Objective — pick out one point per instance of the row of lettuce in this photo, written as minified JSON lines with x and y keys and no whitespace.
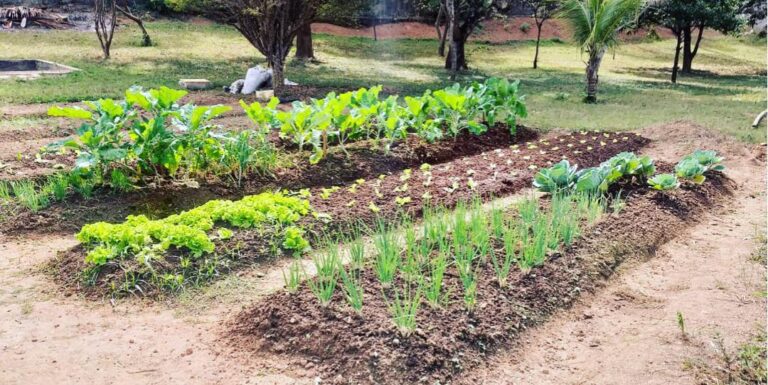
{"x":189,"y":239}
{"x":149,"y":136}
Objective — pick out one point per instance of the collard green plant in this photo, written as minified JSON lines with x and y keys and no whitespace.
{"x":690,"y":169}
{"x":560,"y":177}
{"x":709,"y":159}
{"x":664,"y":182}
{"x":150,"y":135}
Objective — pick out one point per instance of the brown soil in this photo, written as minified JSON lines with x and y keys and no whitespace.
{"x":449,"y":341}
{"x":46,"y":338}
{"x":496,"y":173}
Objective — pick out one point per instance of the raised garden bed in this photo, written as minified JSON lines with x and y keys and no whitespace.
{"x":494,"y":173}
{"x":168,"y":198}
{"x":361,"y":348}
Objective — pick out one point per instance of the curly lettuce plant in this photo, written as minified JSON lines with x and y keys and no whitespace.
{"x":191,"y":233}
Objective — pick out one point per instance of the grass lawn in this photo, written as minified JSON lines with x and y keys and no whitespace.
{"x":726,"y":93}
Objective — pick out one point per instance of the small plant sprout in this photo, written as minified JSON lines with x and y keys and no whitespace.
{"x":353,"y":289}
{"x":327,"y":265}
{"x":5,"y":191}
{"x":406,"y":175}
{"x":292,"y":277}
{"x":681,"y":325}
{"x":27,"y":195}
{"x":404,"y":307}
{"x":58,"y":185}
{"x":387,"y":255}
{"x":502,"y":264}
{"x":434,"y":287}
{"x":402,"y":201}
{"x":617,"y":203}
{"x":325,"y":193}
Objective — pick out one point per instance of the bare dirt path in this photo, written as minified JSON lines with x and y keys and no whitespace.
{"x":46,"y":338}
{"x":628,"y":332}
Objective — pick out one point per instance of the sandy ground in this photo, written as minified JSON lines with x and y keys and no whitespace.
{"x":625,"y":333}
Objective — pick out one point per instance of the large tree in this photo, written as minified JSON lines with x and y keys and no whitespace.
{"x":596,"y":25}
{"x":105,"y":21}
{"x":542,"y":11}
{"x":687,"y":19}
{"x":340,"y":12}
{"x":269,"y":25}
{"x":463,"y":17}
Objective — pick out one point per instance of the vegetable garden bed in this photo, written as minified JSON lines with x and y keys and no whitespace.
{"x":491,"y":174}
{"x":447,"y":341}
{"x":165,"y":198}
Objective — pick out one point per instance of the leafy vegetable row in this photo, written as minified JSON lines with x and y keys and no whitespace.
{"x":564,"y":177}
{"x":145,"y":242}
{"x":362,"y":114}
{"x":150,"y":135}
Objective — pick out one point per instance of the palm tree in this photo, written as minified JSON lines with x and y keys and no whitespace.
{"x":595,"y":25}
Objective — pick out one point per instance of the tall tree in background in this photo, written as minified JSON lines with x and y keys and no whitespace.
{"x":464,"y":16}
{"x":269,"y":25}
{"x":543,"y":10}
{"x":304,"y":47}
{"x":125,"y":9}
{"x":687,"y":19}
{"x":596,"y":25}
{"x":341,"y":12}
{"x":105,"y":17}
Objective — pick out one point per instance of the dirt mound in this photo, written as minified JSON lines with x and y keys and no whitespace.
{"x":367,"y":349}
{"x":691,"y":136}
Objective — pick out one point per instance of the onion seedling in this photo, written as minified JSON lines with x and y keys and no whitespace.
{"x":404,"y":307}
{"x":387,"y":255}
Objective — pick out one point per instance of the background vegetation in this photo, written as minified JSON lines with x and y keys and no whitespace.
{"x":725,"y":93}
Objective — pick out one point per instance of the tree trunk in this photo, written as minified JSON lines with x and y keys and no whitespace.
{"x":105,"y":18}
{"x":696,"y":45}
{"x":304,"y":48}
{"x":278,"y":77}
{"x":677,"y":55}
{"x":451,"y":59}
{"x":440,"y":38}
{"x":441,"y":49}
{"x":687,"y":53}
{"x":538,"y":41}
{"x":146,"y":41}
{"x":593,"y":66}
{"x":459,"y":61}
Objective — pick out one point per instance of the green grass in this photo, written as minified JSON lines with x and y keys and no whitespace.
{"x":726,"y":93}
